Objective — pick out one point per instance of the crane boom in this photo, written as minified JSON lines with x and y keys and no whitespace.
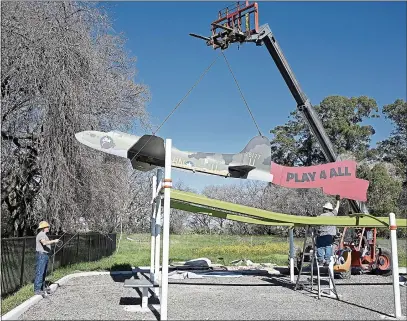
{"x":266,"y":37}
{"x":232,"y":31}
{"x":303,"y":103}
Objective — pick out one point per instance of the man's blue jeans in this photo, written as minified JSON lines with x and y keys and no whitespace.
{"x":324,"y":248}
{"x":40,"y":271}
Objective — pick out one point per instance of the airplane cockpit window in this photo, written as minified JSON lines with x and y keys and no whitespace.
{"x":122,"y":134}
{"x":117,"y":133}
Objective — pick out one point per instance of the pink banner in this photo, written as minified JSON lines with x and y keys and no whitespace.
{"x":337,"y":178}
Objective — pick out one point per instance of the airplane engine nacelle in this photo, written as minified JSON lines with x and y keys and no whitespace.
{"x":147,"y":153}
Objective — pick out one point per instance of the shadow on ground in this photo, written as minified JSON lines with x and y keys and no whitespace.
{"x":136,"y":301}
{"x":271,"y":281}
{"x":285,"y":282}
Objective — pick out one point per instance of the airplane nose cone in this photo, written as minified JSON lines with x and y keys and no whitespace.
{"x":79,"y":136}
{"x":90,"y":138}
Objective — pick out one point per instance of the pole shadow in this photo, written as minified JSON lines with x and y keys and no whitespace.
{"x":281,"y":281}
{"x":133,"y":301}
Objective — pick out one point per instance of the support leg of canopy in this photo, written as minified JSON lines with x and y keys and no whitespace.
{"x":292,"y":254}
{"x":395,"y":266}
{"x":157,"y":273}
{"x":153,"y":216}
{"x":166,"y":229}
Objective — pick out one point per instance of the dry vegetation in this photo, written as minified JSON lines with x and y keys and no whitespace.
{"x":63,"y":71}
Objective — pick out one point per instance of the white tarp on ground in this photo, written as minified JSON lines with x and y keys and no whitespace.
{"x":201,"y":262}
{"x":402,"y":270}
{"x":240,"y":267}
{"x":179,"y":275}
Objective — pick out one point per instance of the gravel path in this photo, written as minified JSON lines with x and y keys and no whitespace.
{"x":365,"y":297}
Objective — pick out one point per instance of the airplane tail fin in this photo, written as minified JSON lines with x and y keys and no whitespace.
{"x":255,"y":155}
{"x":258,"y":144}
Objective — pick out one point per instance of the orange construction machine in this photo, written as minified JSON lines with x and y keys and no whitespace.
{"x":357,"y":251}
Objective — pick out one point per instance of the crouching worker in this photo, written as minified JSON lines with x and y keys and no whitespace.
{"x":43,"y":249}
{"x":326,"y":234}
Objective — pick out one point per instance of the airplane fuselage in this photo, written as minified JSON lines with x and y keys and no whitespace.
{"x":147,"y":152}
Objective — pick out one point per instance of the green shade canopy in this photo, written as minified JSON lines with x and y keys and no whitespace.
{"x":195,"y":203}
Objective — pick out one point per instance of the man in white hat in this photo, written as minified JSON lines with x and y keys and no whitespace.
{"x":325,"y":234}
{"x":43,"y":249}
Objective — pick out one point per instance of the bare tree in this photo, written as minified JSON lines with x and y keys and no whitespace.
{"x":264,"y":196}
{"x":180,"y":221}
{"x":137,"y":212}
{"x":63,"y":71}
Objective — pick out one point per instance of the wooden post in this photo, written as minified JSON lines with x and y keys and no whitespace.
{"x":22,"y":264}
{"x":63,"y":251}
{"x":77,"y":249}
{"x":106,"y":251}
{"x":98,"y":247}
{"x":89,"y":241}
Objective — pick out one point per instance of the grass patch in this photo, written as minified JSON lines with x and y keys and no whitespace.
{"x":134,"y":250}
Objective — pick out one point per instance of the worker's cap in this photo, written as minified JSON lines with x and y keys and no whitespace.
{"x":43,"y":224}
{"x":328,"y":206}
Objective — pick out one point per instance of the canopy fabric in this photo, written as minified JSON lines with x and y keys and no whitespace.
{"x":195,"y":203}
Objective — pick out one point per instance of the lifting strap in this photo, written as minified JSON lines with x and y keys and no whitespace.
{"x":187,"y":94}
{"x":175,"y":108}
{"x":241,"y":93}
{"x":190,"y":90}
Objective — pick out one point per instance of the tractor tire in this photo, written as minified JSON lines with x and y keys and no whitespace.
{"x":344,"y":275}
{"x":383,"y":262}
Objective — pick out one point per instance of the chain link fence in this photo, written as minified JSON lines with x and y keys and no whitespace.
{"x":18,"y":256}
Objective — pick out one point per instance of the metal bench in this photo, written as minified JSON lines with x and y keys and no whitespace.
{"x":144,"y":284}
{"x":139,"y":271}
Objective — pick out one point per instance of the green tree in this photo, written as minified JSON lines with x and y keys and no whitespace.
{"x":394,"y":148}
{"x":294,"y":144}
{"x":384,"y":189}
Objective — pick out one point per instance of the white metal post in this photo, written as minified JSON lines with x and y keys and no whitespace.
{"x":291,"y":235}
{"x":395,"y":265}
{"x":166,"y":229}
{"x":331,"y":271}
{"x":157,"y":273}
{"x":153,"y":215}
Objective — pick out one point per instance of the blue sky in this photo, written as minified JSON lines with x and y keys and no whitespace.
{"x":334,"y":48}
